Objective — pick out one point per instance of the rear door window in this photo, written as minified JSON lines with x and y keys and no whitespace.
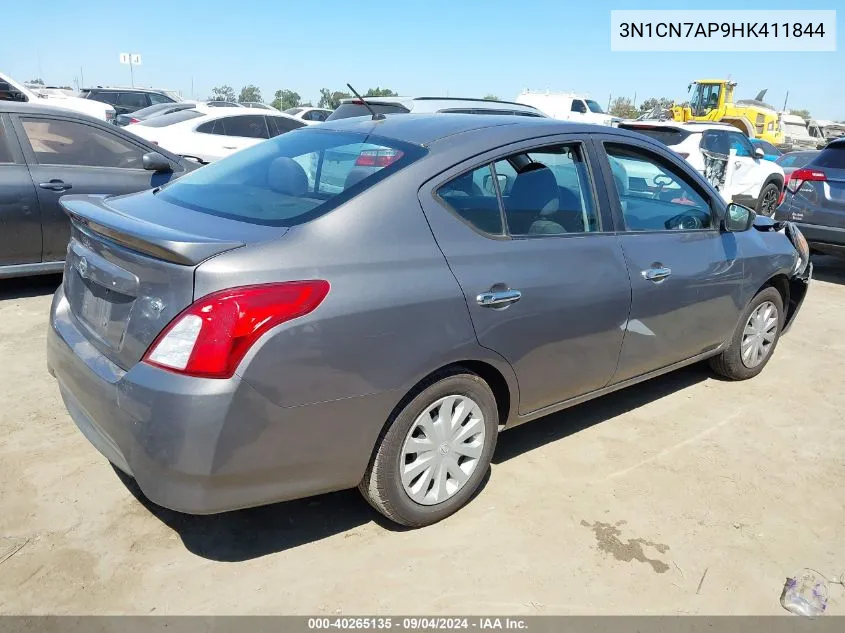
{"x":61,"y":142}
{"x":5,"y":151}
{"x":666,"y":135}
{"x":292,"y":178}
{"x":578,"y":106}
{"x":472,"y":197}
{"x":104,"y":97}
{"x":250,"y":126}
{"x":158,"y":98}
{"x":279,"y":125}
{"x":136,"y":100}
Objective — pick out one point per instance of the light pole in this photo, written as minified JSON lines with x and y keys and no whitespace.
{"x":133,"y":59}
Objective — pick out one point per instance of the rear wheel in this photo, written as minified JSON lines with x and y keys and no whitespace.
{"x":755,"y":338}
{"x":768,"y":201}
{"x":436,"y":451}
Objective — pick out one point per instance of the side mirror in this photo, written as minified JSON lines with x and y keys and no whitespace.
{"x":759,"y":153}
{"x":153,"y":161}
{"x":738,"y":218}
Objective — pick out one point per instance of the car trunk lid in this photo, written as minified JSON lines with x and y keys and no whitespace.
{"x":130,"y":266}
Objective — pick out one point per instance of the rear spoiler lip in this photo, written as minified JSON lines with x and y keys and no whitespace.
{"x":91,"y":214}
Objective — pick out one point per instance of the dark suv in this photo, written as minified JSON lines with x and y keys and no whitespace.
{"x":127,"y":100}
{"x":815,"y":200}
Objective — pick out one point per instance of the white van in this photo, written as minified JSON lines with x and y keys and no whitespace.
{"x":567,"y":106}
{"x":795,"y":133}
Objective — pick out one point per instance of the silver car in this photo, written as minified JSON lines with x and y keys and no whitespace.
{"x":247,"y":334}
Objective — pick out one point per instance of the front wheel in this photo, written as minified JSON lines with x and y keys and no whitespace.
{"x":768,"y":201}
{"x":436,"y":451}
{"x":755,"y":338}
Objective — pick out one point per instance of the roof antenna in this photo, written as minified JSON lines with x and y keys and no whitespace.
{"x":376,"y":117}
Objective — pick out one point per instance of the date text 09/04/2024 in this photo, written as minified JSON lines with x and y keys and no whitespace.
{"x":416,"y":623}
{"x":720,"y":29}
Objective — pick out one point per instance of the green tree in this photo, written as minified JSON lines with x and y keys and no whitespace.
{"x":250,"y":93}
{"x":381,"y":92}
{"x":623,"y":108}
{"x":804,"y":114}
{"x":222,"y":93}
{"x":331,"y":100}
{"x":491,"y":98}
{"x":285,"y":99}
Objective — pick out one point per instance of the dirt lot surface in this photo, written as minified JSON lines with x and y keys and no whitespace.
{"x":682,"y":495}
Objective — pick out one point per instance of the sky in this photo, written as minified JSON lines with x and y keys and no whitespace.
{"x":427,"y":48}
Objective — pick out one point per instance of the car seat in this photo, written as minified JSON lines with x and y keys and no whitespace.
{"x":534,"y":196}
{"x":286,"y":176}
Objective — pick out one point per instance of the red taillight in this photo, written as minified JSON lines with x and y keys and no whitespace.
{"x":134,"y":120}
{"x":806,"y":174}
{"x":377,"y":157}
{"x":210,"y":338}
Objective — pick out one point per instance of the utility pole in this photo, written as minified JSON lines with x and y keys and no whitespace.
{"x":785,"y":99}
{"x":609,"y":101}
{"x":81,"y":79}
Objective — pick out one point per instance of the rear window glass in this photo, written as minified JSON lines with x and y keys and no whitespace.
{"x":169,"y":119}
{"x":833,"y":157}
{"x":348,"y":110}
{"x":795,"y":159}
{"x":666,"y":135}
{"x":292,"y":178}
{"x":293,"y":111}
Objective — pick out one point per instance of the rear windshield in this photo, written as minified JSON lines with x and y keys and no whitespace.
{"x":292,"y":178}
{"x":666,"y":135}
{"x":833,"y":157}
{"x":293,"y":111}
{"x":348,"y":110}
{"x":795,"y":159}
{"x":169,"y":119}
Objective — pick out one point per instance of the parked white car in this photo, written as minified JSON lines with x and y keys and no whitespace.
{"x":11,"y":90}
{"x":723,"y":155}
{"x":309,"y":115}
{"x":567,"y":106}
{"x":208,"y":134}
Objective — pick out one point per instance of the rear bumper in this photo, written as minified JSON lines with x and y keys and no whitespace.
{"x":203,"y":446}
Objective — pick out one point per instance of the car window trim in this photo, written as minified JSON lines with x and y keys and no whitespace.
{"x":429,"y":187}
{"x":32,"y":159}
{"x":12,"y":140}
{"x":716,"y":205}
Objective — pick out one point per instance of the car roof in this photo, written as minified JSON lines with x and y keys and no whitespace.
{"x":123,"y":89}
{"x":425,"y":129}
{"x":690,"y":126}
{"x":408,"y":100}
{"x":15,"y":107}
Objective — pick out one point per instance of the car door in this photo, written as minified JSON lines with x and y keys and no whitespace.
{"x":686,"y":274}
{"x":545,"y":283}
{"x":20,"y":218}
{"x":746,"y":172}
{"x":69,"y":155}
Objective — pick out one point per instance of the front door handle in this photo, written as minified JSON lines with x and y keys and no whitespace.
{"x":55,"y":185}
{"x":498,"y":299}
{"x":230,"y":147}
{"x":657,"y":274}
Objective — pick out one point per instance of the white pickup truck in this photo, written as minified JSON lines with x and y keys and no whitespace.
{"x":11,"y":90}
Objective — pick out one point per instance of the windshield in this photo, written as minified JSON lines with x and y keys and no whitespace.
{"x":594,"y":107}
{"x":292,"y":178}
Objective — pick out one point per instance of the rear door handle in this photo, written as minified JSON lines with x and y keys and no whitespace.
{"x":56,"y":185}
{"x":657,"y":274}
{"x":498,"y":299}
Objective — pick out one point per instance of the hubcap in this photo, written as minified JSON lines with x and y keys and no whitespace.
{"x":767,"y":207}
{"x":442,"y":449}
{"x":759,"y":334}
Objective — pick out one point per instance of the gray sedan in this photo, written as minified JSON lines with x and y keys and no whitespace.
{"x":251,"y":333}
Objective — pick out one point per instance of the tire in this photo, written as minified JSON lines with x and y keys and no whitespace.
{"x":730,"y":362}
{"x":382,"y":484}
{"x":768,"y":200}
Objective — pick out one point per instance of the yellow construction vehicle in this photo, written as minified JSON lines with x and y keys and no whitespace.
{"x":713,"y":100}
